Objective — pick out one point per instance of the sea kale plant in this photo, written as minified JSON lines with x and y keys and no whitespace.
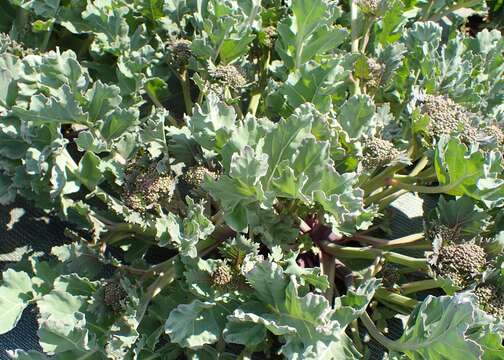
{"x":226,"y":171}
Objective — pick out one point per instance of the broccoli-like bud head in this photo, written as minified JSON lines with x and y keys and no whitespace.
{"x":378,"y":152}
{"x":268,"y":36}
{"x":369,"y":6}
{"x":179,"y":52}
{"x":448,"y":117}
{"x":447,"y":234}
{"x":490,"y":300}
{"x":192,"y":180}
{"x":496,"y":133}
{"x":195,"y":176}
{"x":222,"y":275}
{"x":390,"y":276}
{"x":462,"y":263}
{"x":114,"y":296}
{"x":375,"y":73}
{"x":144,"y":189}
{"x":228,"y":75}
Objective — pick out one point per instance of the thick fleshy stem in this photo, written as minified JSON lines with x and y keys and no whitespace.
{"x":328,"y":268}
{"x":378,"y":335}
{"x":397,"y":299}
{"x":384,"y":243}
{"x":425,"y":189}
{"x":378,"y":181}
{"x":365,"y":40}
{"x":354,"y":16}
{"x":422,"y":285}
{"x":354,"y":332}
{"x":186,"y":92}
{"x":385,"y":202}
{"x":371,"y":253}
{"x":257,"y":93}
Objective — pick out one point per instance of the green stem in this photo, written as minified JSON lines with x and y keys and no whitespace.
{"x":378,"y":335}
{"x":154,"y":98}
{"x":378,"y":181}
{"x":186,"y":92}
{"x":377,"y":197}
{"x":385,"y":202}
{"x":254,"y":102}
{"x":256,"y":95}
{"x":426,"y":189}
{"x":229,"y":94}
{"x":397,"y":308}
{"x":372,"y":253}
{"x":21,"y":20}
{"x":328,"y":268}
{"x":408,"y":261}
{"x":416,"y":286}
{"x":384,"y":243}
{"x":354,"y":331}
{"x":421,"y":164}
{"x":427,"y":11}
{"x":382,"y":195}
{"x":365,"y":39}
{"x":391,"y":297}
{"x":354,"y":15}
{"x":45,"y":40}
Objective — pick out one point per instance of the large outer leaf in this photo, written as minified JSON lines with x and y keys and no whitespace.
{"x":62,"y":325}
{"x":306,"y":323}
{"x":50,"y":72}
{"x":314,"y":83}
{"x":15,"y":294}
{"x":8,"y":88}
{"x":212,"y":124}
{"x":477,"y":174}
{"x":438,"y":328}
{"x":356,"y":115}
{"x":289,"y":163}
{"x":62,"y":110}
{"x":108,"y":24}
{"x":104,"y":99}
{"x":308,"y":32}
{"x":196,"y":324}
{"x":282,"y":142}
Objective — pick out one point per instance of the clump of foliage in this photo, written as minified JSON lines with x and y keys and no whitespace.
{"x":226,"y":171}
